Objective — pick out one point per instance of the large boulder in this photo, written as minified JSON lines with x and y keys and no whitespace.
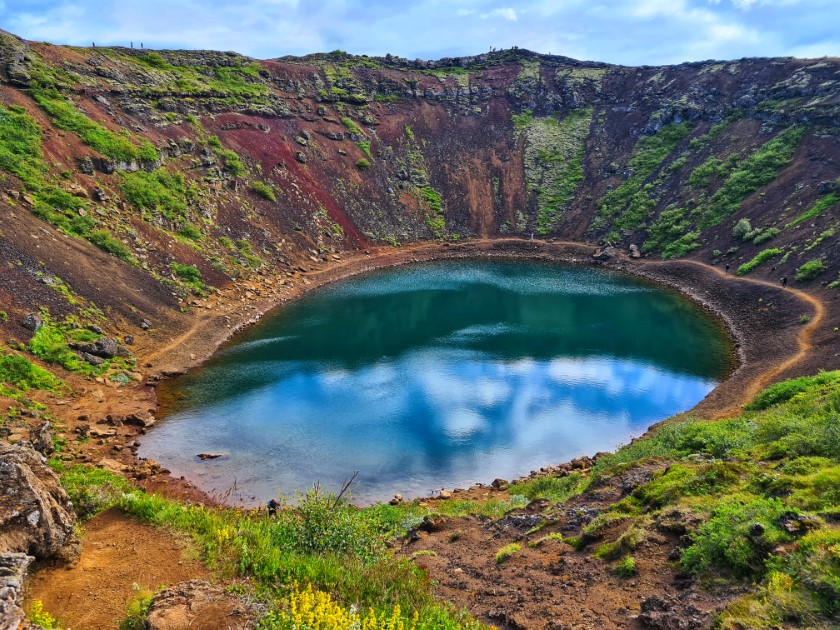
{"x":36,"y":516}
{"x":198,"y":604}
{"x":12,"y":570}
{"x":107,"y":348}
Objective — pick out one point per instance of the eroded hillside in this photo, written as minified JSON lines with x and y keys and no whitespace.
{"x":168,"y":172}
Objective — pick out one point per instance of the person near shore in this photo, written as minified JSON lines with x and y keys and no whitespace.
{"x":272,"y":506}
{"x":784,"y":281}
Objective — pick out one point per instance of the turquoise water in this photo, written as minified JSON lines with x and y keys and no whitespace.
{"x":438,"y":375}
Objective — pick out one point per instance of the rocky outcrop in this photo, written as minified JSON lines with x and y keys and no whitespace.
{"x":12,"y":569}
{"x":669,"y":613}
{"x":36,"y":516}
{"x":198,"y":604}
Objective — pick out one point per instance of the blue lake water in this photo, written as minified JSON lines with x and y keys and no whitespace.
{"x":438,"y":375}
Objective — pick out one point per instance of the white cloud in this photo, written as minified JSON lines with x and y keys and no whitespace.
{"x":505,"y":14}
{"x":617,"y":31}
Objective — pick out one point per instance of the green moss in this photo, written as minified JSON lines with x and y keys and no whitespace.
{"x":20,"y":372}
{"x":761,"y":257}
{"x":158,"y":192}
{"x":233,"y":164}
{"x":554,"y":164}
{"x":351,"y":126}
{"x":629,"y":206}
{"x":65,"y":115}
{"x":822,"y":204}
{"x":264,"y":190}
{"x":435,"y":218}
{"x":758,"y":170}
{"x":363,"y":164}
{"x":364,"y":145}
{"x":106,"y":241}
{"x":523,"y":120}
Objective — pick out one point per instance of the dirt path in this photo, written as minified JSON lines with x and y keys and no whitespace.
{"x":117,"y":552}
{"x":803,"y":339}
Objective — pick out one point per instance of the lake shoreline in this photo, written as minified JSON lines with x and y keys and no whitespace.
{"x":761,"y":319}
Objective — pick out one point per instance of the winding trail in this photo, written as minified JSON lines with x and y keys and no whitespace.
{"x":803,"y":338}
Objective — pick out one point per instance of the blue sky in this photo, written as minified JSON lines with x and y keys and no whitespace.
{"x":631,"y":32}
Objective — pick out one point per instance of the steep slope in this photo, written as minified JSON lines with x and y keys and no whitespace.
{"x":174,"y":159}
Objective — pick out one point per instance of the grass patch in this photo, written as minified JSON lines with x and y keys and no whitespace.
{"x":323,"y":542}
{"x":264,"y":190}
{"x":21,"y":373}
{"x":627,"y":207}
{"x":821,"y":205}
{"x":760,"y":258}
{"x":626,"y":567}
{"x":557,"y":489}
{"x":506,"y":552}
{"x":158,"y":192}
{"x":117,"y":146}
{"x":758,"y":170}
{"x":107,"y":242}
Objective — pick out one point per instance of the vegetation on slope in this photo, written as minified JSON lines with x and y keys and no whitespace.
{"x":760,"y":489}
{"x":554,"y":162}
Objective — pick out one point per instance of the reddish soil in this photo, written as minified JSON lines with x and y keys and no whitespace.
{"x":117,"y":553}
{"x":550,"y":585}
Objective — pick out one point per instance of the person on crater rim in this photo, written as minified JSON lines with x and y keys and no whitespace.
{"x":784,"y":281}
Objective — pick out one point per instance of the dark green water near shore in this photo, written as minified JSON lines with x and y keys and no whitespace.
{"x":438,"y":375}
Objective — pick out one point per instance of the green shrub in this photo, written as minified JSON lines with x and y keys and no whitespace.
{"x":765,"y":235}
{"x":191,"y":232}
{"x":741,"y":229}
{"x":758,"y":170}
{"x":23,"y":374}
{"x":810,"y":270}
{"x":233,"y":164}
{"x":630,"y":200}
{"x":188,"y":273}
{"x":106,"y":241}
{"x":626,"y":567}
{"x":362,"y":164}
{"x":682,"y":246}
{"x":738,"y":537}
{"x":264,"y":190}
{"x":158,"y":192}
{"x":761,"y":257}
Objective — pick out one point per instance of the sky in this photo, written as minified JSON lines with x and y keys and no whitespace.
{"x":629,"y":32}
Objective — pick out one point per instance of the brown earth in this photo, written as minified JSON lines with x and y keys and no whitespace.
{"x":539,"y":586}
{"x":117,"y":554}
